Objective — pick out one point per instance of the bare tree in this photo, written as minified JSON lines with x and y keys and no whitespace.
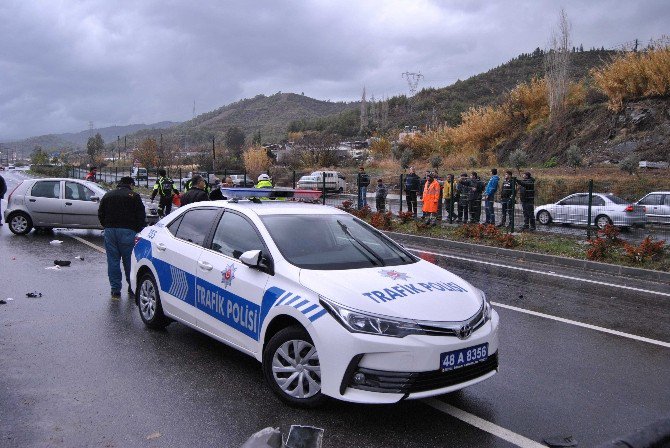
{"x":557,"y":64}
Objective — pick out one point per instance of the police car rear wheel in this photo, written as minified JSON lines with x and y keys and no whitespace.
{"x":149,"y":302}
{"x":291,"y":367}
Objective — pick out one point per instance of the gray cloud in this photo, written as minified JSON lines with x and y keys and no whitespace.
{"x":63,"y":64}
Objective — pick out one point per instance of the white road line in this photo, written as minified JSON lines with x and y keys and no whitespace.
{"x":534,"y":271}
{"x":581,"y":324}
{"x":484,"y":425}
{"x":94,"y":246}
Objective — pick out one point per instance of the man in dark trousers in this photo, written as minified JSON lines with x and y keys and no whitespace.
{"x":380,"y":196}
{"x":3,"y":190}
{"x":527,"y":197}
{"x":506,"y":200}
{"x":197,"y":192}
{"x":363,"y":184}
{"x":475,"y":197}
{"x":164,"y":187}
{"x":412,"y":188}
{"x":121,"y":213}
{"x":463,"y":188}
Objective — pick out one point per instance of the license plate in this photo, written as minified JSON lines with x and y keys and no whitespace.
{"x":463,"y":357}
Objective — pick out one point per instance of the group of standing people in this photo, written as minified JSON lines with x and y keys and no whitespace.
{"x":463,"y":197}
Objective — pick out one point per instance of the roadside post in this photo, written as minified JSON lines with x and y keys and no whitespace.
{"x":588,"y":221}
{"x":245,"y":179}
{"x":180,"y":178}
{"x":323,"y":187}
{"x":511,"y":205}
{"x":401,"y":184}
{"x":116,"y":174}
{"x":294,"y":179}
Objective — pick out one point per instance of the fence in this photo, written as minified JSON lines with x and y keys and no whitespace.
{"x":585,"y":208}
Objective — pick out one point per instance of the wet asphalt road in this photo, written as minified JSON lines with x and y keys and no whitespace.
{"x":79,"y":369}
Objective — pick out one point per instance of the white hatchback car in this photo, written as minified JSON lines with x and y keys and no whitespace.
{"x":329,"y":305}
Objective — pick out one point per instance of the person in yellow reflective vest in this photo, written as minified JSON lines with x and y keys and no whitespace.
{"x":431,"y":197}
{"x":264,"y":182}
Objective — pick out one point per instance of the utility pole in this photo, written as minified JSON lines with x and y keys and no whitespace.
{"x":118,"y":146}
{"x":213,"y":153}
{"x":413,"y":81}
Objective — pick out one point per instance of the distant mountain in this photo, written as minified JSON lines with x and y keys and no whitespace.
{"x":74,"y":141}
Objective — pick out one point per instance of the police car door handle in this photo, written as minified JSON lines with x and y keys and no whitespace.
{"x":204,"y":265}
{"x":161,"y":246}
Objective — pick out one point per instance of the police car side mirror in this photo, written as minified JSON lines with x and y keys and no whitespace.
{"x":95,"y":198}
{"x":251,"y":258}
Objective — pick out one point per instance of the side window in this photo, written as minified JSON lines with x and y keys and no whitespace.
{"x":235,"y":235}
{"x":195,"y":225}
{"x":652,"y":199}
{"x":46,"y":189}
{"x":667,"y":199}
{"x":574,"y":200}
{"x":597,"y":201}
{"x":174,"y":225}
{"x":77,"y":192}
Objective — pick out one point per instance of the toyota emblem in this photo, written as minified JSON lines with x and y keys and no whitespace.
{"x":465,"y":331}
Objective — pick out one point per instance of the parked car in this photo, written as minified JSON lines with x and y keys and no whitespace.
{"x":334,"y":181}
{"x":238,"y":180}
{"x":140,"y":173}
{"x":10,"y":167}
{"x":657,"y":206}
{"x":58,"y":202}
{"x":606,"y":209}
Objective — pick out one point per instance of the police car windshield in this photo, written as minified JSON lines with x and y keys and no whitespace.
{"x":330,"y":242}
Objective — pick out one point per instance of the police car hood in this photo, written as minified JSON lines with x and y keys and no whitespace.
{"x":420,"y":291}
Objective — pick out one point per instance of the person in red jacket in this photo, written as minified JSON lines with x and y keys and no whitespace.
{"x":431,"y":197}
{"x":92,"y":175}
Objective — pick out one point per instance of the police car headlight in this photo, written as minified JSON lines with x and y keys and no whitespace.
{"x":359,"y":322}
{"x":487,"y":305}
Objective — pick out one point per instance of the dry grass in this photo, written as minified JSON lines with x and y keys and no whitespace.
{"x":634,"y":75}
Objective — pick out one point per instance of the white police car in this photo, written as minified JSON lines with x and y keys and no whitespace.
{"x":329,"y":305}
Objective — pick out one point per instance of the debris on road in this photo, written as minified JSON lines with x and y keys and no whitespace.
{"x":34,"y":294}
{"x":54,"y":268}
{"x":304,"y":437}
{"x":154,"y":436}
{"x":3,"y":302}
{"x":265,"y":438}
{"x":560,"y":441}
{"x":56,"y":242}
{"x":62,"y":262}
{"x":79,"y":257}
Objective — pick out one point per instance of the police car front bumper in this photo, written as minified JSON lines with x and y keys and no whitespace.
{"x":365,"y":368}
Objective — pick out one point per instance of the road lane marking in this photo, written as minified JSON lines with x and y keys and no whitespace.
{"x":94,"y":246}
{"x":582,"y":324}
{"x":534,"y":271}
{"x":484,"y":425}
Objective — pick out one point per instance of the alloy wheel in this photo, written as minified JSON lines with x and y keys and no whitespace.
{"x":296,"y":369}
{"x":147,"y":298}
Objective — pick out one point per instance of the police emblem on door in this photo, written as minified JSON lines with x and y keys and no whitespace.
{"x":228,"y":275}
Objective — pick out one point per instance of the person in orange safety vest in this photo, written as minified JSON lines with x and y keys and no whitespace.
{"x":431,"y":197}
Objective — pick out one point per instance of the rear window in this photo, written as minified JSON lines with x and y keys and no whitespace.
{"x":617,"y":199}
{"x":46,"y":189}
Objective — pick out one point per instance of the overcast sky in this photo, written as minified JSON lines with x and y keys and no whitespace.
{"x":65,"y":63}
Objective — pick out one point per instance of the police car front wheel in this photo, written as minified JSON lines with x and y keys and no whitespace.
{"x":148,"y":299}
{"x":291,"y":367}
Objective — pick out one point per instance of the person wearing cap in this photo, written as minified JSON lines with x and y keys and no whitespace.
{"x":121,"y":213}
{"x":263,"y":181}
{"x":197,"y":192}
{"x":431,"y":198}
{"x":380,"y":196}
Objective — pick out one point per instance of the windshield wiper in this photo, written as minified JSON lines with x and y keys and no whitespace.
{"x":345,"y":229}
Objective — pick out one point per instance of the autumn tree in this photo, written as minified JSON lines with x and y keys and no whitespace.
{"x":147,"y":153}
{"x":95,"y":147}
{"x":557,"y":64}
{"x":256,"y":160}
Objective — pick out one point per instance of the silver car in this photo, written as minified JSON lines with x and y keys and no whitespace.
{"x":657,"y":206}
{"x":57,"y":202}
{"x":606,"y":209}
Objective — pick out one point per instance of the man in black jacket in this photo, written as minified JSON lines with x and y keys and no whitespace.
{"x":3,"y":190}
{"x":197,"y":192}
{"x":121,"y":213}
{"x":506,"y":199}
{"x":412,"y":187}
{"x":462,"y":189}
{"x":363,"y":184}
{"x":527,"y":197}
{"x":475,"y":197}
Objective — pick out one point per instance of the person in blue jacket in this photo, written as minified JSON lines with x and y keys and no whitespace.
{"x":489,"y":196}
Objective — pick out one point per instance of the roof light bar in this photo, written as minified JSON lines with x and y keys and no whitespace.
{"x":270,"y":193}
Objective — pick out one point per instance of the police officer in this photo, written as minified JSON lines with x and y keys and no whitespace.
{"x":264,"y":182}
{"x":121,"y":213}
{"x":527,"y":197}
{"x":412,"y":186}
{"x":165,"y":188}
{"x":475,"y":197}
{"x":450,"y":196}
{"x":431,"y":198}
{"x":463,"y":188}
{"x":506,"y":200}
{"x":197,"y":192}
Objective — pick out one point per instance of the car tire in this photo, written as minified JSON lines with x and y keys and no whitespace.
{"x":284,"y":364}
{"x":601,"y":221}
{"x":543,"y":217}
{"x":20,"y":223}
{"x":148,"y":300}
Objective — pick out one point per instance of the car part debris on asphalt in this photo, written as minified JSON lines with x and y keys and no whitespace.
{"x":560,"y":441}
{"x":56,"y":242}
{"x":79,"y":257}
{"x":62,"y":262}
{"x":53,"y":268}
{"x":3,"y":302}
{"x":34,"y":294}
{"x":265,"y":438}
{"x":304,"y":437}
